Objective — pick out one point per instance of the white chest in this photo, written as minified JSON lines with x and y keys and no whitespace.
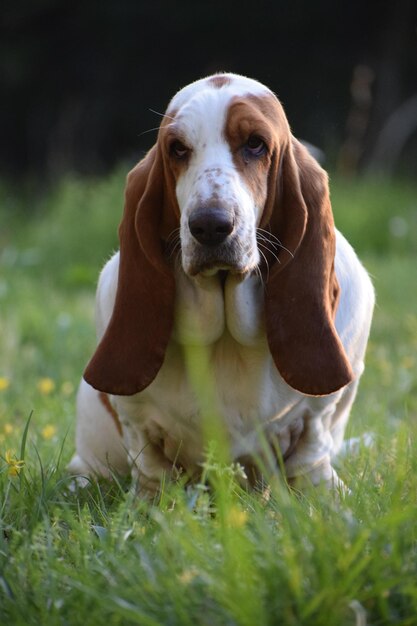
{"x":217,"y":369}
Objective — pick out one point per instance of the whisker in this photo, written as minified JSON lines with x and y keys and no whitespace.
{"x":279,"y":243}
{"x":286,"y":250}
{"x":174,"y":254}
{"x":173,"y":242}
{"x":258,"y":273}
{"x":174,"y":249}
{"x":161,"y":114}
{"x":268,"y":250}
{"x":148,"y":131}
{"x":174,"y":233}
{"x":267,"y":245}
{"x":265,"y":239}
{"x":156,"y":127}
{"x":267,"y":265}
{"x":269,"y":234}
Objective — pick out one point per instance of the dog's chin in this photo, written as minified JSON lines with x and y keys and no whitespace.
{"x":206,"y":263}
{"x":207,"y":270}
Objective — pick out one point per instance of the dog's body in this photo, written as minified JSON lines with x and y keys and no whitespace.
{"x":232,"y":284}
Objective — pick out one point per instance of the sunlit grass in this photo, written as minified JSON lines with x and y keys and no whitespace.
{"x":212,"y":553}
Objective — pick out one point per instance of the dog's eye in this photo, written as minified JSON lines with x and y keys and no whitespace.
{"x":255,"y":146}
{"x":179,"y":150}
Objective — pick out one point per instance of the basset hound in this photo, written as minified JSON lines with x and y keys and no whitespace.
{"x":233,"y":298}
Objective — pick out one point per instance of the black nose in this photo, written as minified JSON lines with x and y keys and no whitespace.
{"x":210,"y":226}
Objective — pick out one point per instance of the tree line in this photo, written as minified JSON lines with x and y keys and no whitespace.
{"x":79,"y":80}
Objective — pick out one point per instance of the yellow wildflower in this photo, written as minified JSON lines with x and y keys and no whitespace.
{"x":15,"y":465}
{"x":46,"y":386}
{"x":4,"y":383}
{"x":8,"y":429}
{"x":48,"y":432}
{"x":236,"y":518}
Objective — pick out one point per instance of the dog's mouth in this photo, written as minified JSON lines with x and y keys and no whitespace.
{"x":201,"y":265}
{"x":211,"y":268}
{"x":211,"y":260}
{"x":223,"y":272}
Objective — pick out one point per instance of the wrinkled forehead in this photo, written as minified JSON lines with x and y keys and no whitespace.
{"x":220,"y":87}
{"x":205,"y":103}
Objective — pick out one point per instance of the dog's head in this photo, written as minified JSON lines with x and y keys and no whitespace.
{"x":229,"y":188}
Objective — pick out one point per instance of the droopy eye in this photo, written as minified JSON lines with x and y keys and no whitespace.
{"x":179,"y":150}
{"x":255,"y":146}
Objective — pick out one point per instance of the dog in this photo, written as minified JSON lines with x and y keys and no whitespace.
{"x":231,"y":284}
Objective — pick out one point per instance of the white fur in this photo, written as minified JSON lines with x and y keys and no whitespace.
{"x":238,"y":85}
{"x":220,"y":328}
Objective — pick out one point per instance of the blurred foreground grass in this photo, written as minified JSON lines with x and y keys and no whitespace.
{"x":100,"y":555}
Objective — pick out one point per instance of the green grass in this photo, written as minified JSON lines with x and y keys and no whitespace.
{"x":218,"y":557}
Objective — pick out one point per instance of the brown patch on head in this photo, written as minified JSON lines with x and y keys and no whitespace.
{"x":256,"y":116}
{"x":219,"y":80}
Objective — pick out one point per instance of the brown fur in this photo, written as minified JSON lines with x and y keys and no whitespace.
{"x":302,"y":292}
{"x":219,"y":80}
{"x":243,"y":120}
{"x":133,"y":347}
{"x":105,"y":401}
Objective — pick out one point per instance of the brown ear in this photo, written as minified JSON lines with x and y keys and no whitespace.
{"x":302,"y":290}
{"x":133,"y":347}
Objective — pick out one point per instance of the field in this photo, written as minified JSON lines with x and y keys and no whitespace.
{"x":198,"y":556}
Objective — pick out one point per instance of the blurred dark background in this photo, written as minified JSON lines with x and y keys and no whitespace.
{"x":78,"y":79}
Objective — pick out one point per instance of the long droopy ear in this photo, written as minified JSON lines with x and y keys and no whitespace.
{"x":302,"y":291}
{"x":133,"y":347}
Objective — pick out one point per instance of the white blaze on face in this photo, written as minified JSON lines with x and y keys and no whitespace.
{"x":210,"y":178}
